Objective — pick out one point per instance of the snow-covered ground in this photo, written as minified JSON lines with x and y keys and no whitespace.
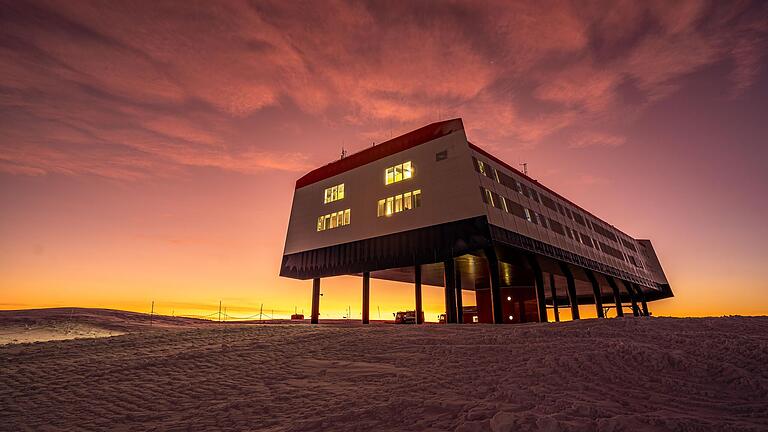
{"x":632,"y":374}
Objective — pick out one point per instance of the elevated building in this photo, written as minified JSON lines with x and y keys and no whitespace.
{"x":431,"y":208}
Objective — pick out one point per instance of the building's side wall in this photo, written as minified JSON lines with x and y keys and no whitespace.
{"x":448,"y":193}
{"x":627,"y":252}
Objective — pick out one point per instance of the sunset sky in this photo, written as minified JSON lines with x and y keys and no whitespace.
{"x":149,"y":150}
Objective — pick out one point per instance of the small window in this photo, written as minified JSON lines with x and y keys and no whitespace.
{"x":346,"y":217}
{"x":398,"y":173}
{"x":407,"y":201}
{"x":398,"y":203}
{"x":407,"y":170}
{"x":488,"y":197}
{"x":390,"y":206}
{"x":528,"y":215}
{"x":320,"y":225}
{"x":334,"y":193}
{"x":443,"y":155}
{"x":380,"y":209}
{"x":417,"y":198}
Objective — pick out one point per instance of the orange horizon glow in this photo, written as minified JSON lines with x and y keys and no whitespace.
{"x":150,"y":153}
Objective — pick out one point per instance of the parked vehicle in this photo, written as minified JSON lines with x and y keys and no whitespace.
{"x":407,"y":317}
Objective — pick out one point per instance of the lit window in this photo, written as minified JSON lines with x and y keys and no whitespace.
{"x":399,"y":203}
{"x":333,"y":220}
{"x":397,"y":173}
{"x":407,"y":202}
{"x":481,"y":167}
{"x":320,"y":223}
{"x":380,"y":210}
{"x":334,"y":193}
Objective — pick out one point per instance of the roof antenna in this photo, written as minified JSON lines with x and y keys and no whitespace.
{"x":525,"y":167}
{"x":343,"y":153}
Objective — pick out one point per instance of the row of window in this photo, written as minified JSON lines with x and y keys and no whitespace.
{"x":512,"y":207}
{"x":398,"y":203}
{"x":334,"y":193}
{"x":507,"y":180}
{"x":333,"y":220}
{"x":397,"y":173}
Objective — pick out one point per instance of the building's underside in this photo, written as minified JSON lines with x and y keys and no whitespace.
{"x":515,"y":277}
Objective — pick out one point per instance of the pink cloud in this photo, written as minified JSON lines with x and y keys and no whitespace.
{"x":138,"y":90}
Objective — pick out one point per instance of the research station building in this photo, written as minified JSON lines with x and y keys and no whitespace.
{"x":431,"y":208}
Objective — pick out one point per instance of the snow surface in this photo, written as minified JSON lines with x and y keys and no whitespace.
{"x":630,"y":374}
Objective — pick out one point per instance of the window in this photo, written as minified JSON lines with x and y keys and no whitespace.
{"x":443,"y":155}
{"x":399,"y":203}
{"x":549,"y":202}
{"x":380,"y":210}
{"x":334,"y":193}
{"x":398,"y":173}
{"x":333,"y":220}
{"x":528,"y":215}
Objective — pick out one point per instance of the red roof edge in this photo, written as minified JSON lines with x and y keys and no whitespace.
{"x":395,"y":145}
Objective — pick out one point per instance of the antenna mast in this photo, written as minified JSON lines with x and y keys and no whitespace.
{"x":525,"y":167}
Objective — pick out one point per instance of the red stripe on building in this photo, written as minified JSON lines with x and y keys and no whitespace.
{"x":387,"y":148}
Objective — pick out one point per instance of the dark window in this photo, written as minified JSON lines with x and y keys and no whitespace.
{"x":549,"y":202}
{"x":516,"y":209}
{"x":497,"y":201}
{"x":507,"y":181}
{"x":556,"y":227}
{"x":568,"y":212}
{"x":534,"y":195}
{"x":611,"y":251}
{"x":587,"y":240}
{"x":443,"y":155}
{"x":542,"y":219}
{"x":629,"y":245}
{"x":578,"y":218}
{"x":603,"y":231}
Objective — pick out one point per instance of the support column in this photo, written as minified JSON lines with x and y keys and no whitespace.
{"x":539,"y":278}
{"x":315,"y":300}
{"x":493,"y":266}
{"x":366,"y":297}
{"x":449,"y":271}
{"x":459,"y":299}
{"x":417,"y":286}
{"x":572,"y":298}
{"x":554,"y":296}
{"x":596,"y":292}
{"x":643,"y":302}
{"x":616,"y":296}
{"x":632,"y":297}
